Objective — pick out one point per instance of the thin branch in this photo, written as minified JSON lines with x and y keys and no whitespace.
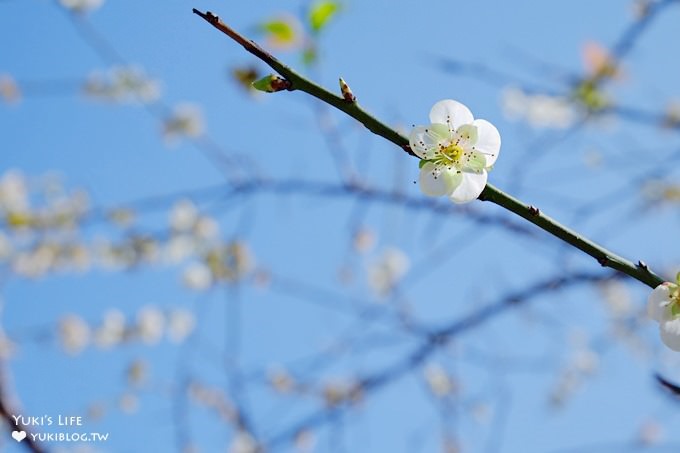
{"x":603,"y":256}
{"x":301,"y":83}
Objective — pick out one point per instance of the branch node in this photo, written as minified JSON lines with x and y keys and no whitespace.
{"x":642,"y":265}
{"x":534,"y":211}
{"x":603,"y":260}
{"x":212,"y":18}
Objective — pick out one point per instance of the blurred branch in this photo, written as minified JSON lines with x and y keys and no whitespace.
{"x":603,"y":256}
{"x":433,"y":341}
{"x":220,"y":158}
{"x":7,"y":414}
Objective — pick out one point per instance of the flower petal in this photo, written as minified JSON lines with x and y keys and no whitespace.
{"x":436,"y":180}
{"x":488,"y":140}
{"x":425,"y":140}
{"x":670,"y":333}
{"x":467,"y":134}
{"x":452,"y":113}
{"x":470,"y":187}
{"x":658,"y":302}
{"x":474,"y":161}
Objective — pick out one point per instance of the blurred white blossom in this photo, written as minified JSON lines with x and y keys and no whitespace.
{"x":81,"y":6}
{"x":183,"y":215}
{"x":36,"y":262}
{"x":179,"y":248}
{"x":122,"y":84}
{"x":180,"y":324}
{"x":197,"y":276}
{"x":539,"y":110}
{"x":74,"y":333}
{"x":150,"y":324}
{"x":13,"y":192}
{"x":438,"y":380}
{"x":112,"y":330}
{"x":207,"y":228}
{"x":243,"y":442}
{"x":185,"y":120}
{"x":386,"y":272}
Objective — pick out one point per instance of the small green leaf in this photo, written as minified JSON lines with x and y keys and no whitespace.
{"x":309,"y":55}
{"x":321,"y":13}
{"x":281,"y":31}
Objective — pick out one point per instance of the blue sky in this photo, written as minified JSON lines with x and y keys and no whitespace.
{"x":390,"y":53}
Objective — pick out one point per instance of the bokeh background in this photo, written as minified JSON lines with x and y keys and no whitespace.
{"x":190,"y":265}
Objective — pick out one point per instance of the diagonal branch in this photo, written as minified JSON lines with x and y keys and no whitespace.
{"x":603,"y":256}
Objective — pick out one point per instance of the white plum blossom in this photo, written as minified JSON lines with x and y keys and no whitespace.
{"x":663,"y":306}
{"x":456,"y":151}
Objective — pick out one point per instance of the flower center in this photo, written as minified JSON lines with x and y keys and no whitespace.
{"x":450,"y":155}
{"x":453,"y":152}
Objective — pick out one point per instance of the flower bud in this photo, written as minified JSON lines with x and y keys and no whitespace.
{"x":346,"y":91}
{"x":271,"y":84}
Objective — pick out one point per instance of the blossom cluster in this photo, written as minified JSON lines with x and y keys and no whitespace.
{"x":149,"y":327}
{"x":121,"y":84}
{"x":45,"y":231}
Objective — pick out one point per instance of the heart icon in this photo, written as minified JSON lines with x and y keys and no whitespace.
{"x":19,"y":435}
